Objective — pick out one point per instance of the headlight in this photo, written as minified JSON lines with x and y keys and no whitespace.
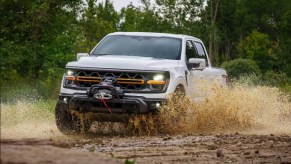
{"x":70,"y":72}
{"x":69,"y":77}
{"x":159,"y":77}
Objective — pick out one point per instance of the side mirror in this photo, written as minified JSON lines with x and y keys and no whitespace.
{"x":79,"y":55}
{"x":198,"y":63}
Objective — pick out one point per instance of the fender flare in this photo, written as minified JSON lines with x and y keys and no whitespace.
{"x":179,"y":81}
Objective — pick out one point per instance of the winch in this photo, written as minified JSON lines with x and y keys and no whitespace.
{"x":105,"y":90}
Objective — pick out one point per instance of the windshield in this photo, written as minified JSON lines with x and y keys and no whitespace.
{"x":144,"y":46}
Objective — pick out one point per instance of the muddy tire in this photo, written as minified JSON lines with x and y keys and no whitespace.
{"x":179,"y":94}
{"x":68,"y":123}
{"x":180,"y":103}
{"x":180,"y":91}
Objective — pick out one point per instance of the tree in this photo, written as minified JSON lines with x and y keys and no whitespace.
{"x":31,"y":31}
{"x":258,"y":47}
{"x":95,"y":24}
{"x":213,"y":36}
{"x":179,"y":16}
{"x":129,"y":17}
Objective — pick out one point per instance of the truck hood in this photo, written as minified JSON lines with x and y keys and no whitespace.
{"x":123,"y":62}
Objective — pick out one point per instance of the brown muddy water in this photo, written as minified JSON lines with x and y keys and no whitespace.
{"x":241,"y":108}
{"x":242,"y":123}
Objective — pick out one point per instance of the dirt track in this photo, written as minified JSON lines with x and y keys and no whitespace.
{"x":162,"y":149}
{"x":249,"y":111}
{"x":46,"y":151}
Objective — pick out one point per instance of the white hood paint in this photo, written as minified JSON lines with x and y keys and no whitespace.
{"x":124,"y":62}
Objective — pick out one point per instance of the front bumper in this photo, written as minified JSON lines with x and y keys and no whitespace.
{"x":124,"y":105}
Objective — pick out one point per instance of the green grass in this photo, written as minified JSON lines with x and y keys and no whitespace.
{"x":29,"y":90}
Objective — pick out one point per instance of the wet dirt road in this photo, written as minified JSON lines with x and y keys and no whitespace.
{"x":47,"y":151}
{"x":261,"y":116}
{"x":189,"y":148}
{"x":161,"y":149}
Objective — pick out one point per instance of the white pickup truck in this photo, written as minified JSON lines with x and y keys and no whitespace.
{"x":130,"y":73}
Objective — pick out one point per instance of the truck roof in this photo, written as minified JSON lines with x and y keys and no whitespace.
{"x":155,"y":35}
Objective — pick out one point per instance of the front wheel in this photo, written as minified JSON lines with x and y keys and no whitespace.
{"x":179,"y":105}
{"x":69,"y":123}
{"x":180,"y":91}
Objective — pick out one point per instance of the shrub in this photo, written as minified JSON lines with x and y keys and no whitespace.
{"x":241,"y":67}
{"x":276,"y":78}
{"x":258,"y":47}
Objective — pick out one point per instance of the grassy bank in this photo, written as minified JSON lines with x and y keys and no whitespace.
{"x":27,"y":108}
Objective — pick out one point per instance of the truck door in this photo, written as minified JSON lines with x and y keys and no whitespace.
{"x":198,"y":79}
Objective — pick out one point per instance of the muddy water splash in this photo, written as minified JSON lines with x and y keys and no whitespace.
{"x":28,"y":119}
{"x":240,"y":108}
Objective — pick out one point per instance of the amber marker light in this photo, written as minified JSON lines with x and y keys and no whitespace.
{"x":153,"y":82}
{"x":70,"y":78}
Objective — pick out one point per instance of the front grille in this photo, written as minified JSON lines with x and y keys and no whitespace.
{"x":123,"y":80}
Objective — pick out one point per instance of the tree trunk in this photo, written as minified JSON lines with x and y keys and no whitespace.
{"x":213,"y":47}
{"x":227,"y":50}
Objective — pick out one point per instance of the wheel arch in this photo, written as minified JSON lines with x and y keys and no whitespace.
{"x":179,"y":82}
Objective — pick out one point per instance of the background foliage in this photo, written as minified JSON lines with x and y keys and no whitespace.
{"x":241,"y":67}
{"x":39,"y":37}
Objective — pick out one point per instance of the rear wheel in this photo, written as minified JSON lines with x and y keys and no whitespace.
{"x":69,"y":123}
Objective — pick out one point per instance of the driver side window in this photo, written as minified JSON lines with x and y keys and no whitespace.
{"x":190,"y":50}
{"x":190,"y":53}
{"x":195,"y":49}
{"x":200,"y":52}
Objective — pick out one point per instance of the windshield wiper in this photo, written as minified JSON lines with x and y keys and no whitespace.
{"x":159,"y":58}
{"x":102,"y":54}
